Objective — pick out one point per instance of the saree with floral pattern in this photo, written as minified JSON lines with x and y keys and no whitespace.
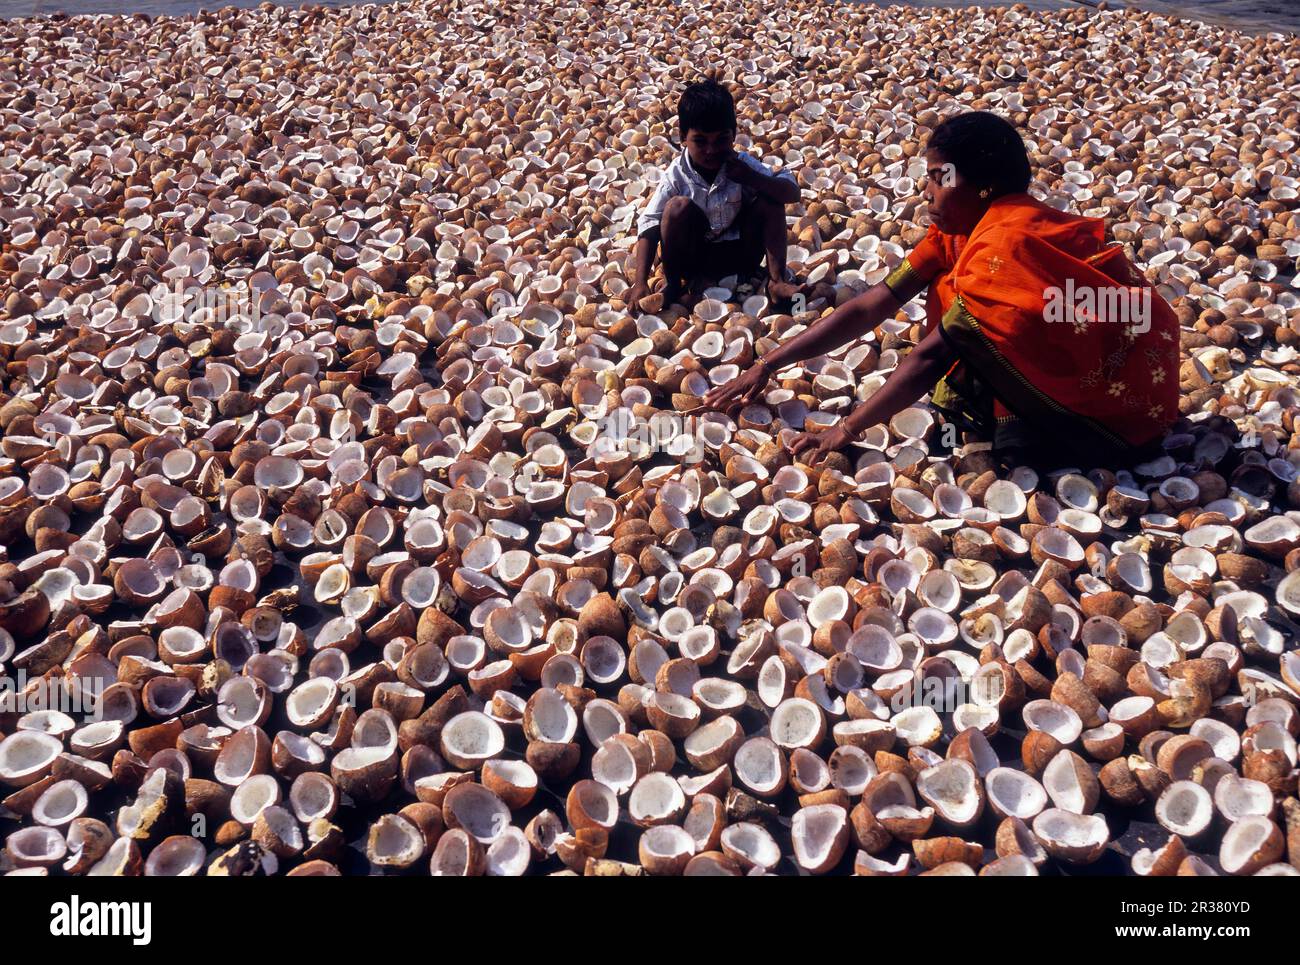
{"x":1062,"y":343}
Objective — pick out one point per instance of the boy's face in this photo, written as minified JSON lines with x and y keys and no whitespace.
{"x":709,"y":150}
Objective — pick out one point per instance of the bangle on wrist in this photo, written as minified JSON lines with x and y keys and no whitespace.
{"x":767,"y":366}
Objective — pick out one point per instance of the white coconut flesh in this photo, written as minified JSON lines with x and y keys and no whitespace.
{"x":312,"y":795}
{"x":614,"y":766}
{"x":758,"y":765}
{"x":809,"y":771}
{"x":850,"y":769}
{"x":1064,"y":785}
{"x":1239,"y":797}
{"x":601,"y":720}
{"x":179,"y":856}
{"x":795,"y":723}
{"x":751,"y":844}
{"x":1053,"y":718}
{"x":952,"y":789}
{"x":655,"y":797}
{"x":37,"y":846}
{"x":478,"y":811}
{"x":252,"y":797}
{"x":1015,"y":793}
{"x":241,"y":702}
{"x":280,"y":824}
{"x":376,"y":729}
{"x":311,"y":700}
{"x":1185,"y":808}
{"x":1249,"y":842}
{"x":918,"y":725}
{"x":62,"y":802}
{"x":667,"y":842}
{"x":1070,"y":831}
{"x":453,"y":856}
{"x":474,"y":735}
{"x":26,"y":755}
{"x":238,"y":757}
{"x":712,"y":736}
{"x":719,"y":695}
{"x":1010,"y":866}
{"x":815,"y":831}
{"x":509,"y":855}
{"x":395,"y":841}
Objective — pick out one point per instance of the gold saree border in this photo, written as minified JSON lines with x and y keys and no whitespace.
{"x":904,"y":282}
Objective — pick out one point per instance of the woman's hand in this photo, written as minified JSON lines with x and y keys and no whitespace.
{"x":818,"y":445}
{"x":743,"y":389}
{"x":633,"y":295}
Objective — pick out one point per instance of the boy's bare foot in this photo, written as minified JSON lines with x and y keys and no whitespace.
{"x":781,"y":291}
{"x":672,"y":293}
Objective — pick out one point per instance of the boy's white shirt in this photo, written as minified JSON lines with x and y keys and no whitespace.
{"x":720,"y":201}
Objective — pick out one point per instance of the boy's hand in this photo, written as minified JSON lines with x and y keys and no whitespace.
{"x":740,"y":172}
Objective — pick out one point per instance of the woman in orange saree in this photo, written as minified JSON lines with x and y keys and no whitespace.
{"x":1042,"y":338}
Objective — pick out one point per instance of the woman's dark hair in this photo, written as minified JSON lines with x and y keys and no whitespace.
{"x":706,"y":106}
{"x":986,"y":150}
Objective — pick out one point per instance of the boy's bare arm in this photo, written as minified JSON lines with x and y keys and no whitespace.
{"x":773,"y":187}
{"x":643,"y":257}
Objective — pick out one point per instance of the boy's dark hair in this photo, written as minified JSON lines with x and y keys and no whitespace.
{"x":706,"y":106}
{"x":986,"y":150}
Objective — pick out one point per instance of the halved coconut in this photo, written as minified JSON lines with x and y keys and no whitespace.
{"x":36,"y":847}
{"x":1054,"y":718}
{"x":714,"y":744}
{"x":820,"y":836}
{"x":509,"y":855}
{"x":797,"y":723}
{"x":1074,"y":838}
{"x":60,"y":804}
{"x":656,"y":799}
{"x":477,"y":810}
{"x":470,"y":738}
{"x":1013,"y":793}
{"x":549,"y":717}
{"x":1012,"y":866}
{"x":458,"y":855}
{"x":1249,"y":845}
{"x":750,"y":846}
{"x":591,"y":804}
{"x":27,"y":756}
{"x":1238,"y":797}
{"x":851,"y":769}
{"x":1071,"y":784}
{"x":1184,"y":808}
{"x":761,"y":767}
{"x":953,"y":789}
{"x":252,"y":797}
{"x":665,"y":850}
{"x":178,"y":856}
{"x":918,"y":726}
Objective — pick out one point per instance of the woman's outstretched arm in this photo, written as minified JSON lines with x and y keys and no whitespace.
{"x":915,"y":376}
{"x":850,"y":321}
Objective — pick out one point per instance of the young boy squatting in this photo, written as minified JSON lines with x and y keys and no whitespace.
{"x":716,"y":212}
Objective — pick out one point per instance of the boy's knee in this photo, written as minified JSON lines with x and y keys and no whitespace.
{"x":767,"y":208}
{"x":677,"y":209}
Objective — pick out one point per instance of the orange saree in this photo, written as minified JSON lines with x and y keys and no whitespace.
{"x":1059,"y":337}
